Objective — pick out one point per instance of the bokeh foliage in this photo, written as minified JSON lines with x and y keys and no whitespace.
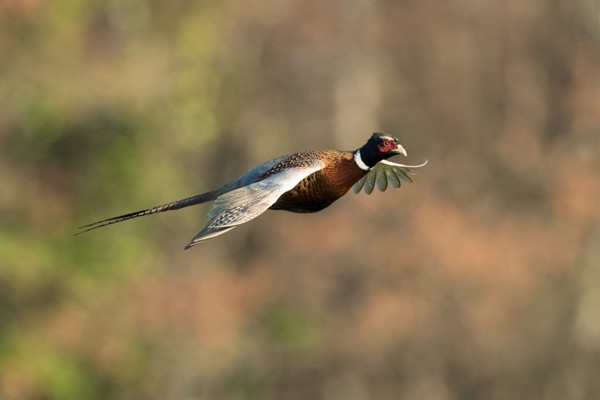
{"x":481,"y":280}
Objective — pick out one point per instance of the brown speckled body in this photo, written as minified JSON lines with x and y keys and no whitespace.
{"x":318,"y":190}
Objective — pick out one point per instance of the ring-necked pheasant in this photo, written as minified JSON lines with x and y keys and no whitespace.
{"x":303,"y":182}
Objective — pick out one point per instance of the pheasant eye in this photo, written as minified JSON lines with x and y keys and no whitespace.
{"x":386,"y":145}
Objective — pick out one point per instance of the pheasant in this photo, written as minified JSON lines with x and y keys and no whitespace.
{"x":303,"y":182}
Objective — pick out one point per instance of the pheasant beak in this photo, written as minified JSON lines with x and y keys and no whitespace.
{"x":399,"y":150}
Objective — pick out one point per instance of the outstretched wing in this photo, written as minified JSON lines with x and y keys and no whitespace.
{"x":246,"y":203}
{"x":385,"y":172}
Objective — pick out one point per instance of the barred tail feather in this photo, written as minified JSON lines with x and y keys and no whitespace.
{"x":175,"y":205}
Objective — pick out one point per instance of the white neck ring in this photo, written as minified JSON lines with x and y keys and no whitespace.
{"x":358,"y":160}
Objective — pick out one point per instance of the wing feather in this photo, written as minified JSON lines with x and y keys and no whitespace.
{"x":381,"y":179}
{"x":370,"y":183}
{"x":386,"y":172}
{"x":393,"y":179}
{"x":359,"y":185}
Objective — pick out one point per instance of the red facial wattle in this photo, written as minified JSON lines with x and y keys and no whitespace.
{"x":387,"y":146}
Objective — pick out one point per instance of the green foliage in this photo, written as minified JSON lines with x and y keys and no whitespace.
{"x":291,"y":330}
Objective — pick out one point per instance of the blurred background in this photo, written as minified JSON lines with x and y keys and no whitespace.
{"x":481,"y":280}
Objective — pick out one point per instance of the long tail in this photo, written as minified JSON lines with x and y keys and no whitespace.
{"x":175,"y":205}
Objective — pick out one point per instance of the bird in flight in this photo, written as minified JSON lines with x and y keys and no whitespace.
{"x":303,"y":182}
